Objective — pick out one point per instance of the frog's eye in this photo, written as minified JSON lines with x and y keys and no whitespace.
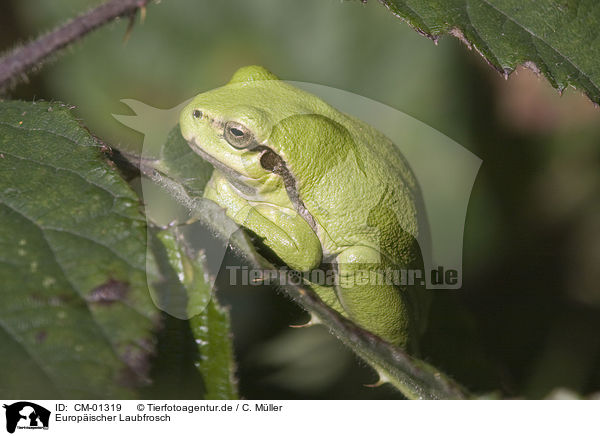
{"x":197,"y":113}
{"x":238,"y":135}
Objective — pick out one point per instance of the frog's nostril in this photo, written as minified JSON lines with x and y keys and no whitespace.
{"x":197,"y":113}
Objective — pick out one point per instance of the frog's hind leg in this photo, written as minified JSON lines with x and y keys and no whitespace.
{"x":369,"y":301}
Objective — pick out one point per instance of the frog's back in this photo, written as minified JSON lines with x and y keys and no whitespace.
{"x":364,"y":174}
{"x":354,"y":180}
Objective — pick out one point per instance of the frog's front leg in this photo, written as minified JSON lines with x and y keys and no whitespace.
{"x":282,"y":230}
{"x":363,"y":293}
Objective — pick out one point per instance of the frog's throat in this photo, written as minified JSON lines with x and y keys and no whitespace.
{"x":233,"y":176}
{"x":281,"y":169}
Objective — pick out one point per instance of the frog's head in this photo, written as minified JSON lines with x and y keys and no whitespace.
{"x":257,"y":129}
{"x":230,"y":126}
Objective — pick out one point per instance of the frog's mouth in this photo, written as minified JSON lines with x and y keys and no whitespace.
{"x":234,"y":177}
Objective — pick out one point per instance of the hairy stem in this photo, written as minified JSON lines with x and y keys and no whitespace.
{"x":415,"y":378}
{"x":17,"y":63}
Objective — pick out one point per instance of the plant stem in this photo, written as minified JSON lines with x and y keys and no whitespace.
{"x":415,"y":378}
{"x":17,"y":63}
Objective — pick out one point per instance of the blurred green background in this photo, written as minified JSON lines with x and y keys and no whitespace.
{"x":527,"y":320}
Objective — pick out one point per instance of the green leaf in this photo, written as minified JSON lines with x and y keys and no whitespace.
{"x":76,"y":318}
{"x":212,"y":332}
{"x":209,"y":322}
{"x":557,"y":38}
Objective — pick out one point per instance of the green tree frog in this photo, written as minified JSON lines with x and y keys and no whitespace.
{"x":319,"y":188}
